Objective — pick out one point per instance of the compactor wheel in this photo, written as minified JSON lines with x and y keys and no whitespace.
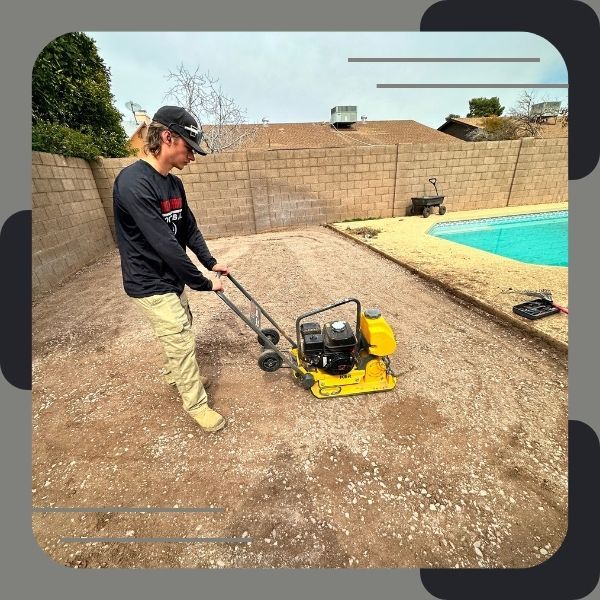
{"x":269,"y":361}
{"x":272,"y":334}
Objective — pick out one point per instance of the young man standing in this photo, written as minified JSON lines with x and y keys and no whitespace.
{"x":154,"y":225}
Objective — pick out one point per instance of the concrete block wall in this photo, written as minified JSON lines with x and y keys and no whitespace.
{"x":298,"y":187}
{"x":470,"y":176}
{"x":217,"y":188}
{"x":241,"y":193}
{"x":219,"y":193}
{"x":69,"y":224}
{"x":248,"y":192}
{"x":541,"y":174}
{"x":105,"y":172}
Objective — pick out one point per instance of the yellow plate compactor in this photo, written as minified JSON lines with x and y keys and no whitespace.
{"x":333,"y":359}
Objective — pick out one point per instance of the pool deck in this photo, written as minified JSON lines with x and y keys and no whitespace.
{"x":487,"y":280}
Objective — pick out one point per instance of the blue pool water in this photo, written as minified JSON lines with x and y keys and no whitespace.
{"x":539,"y":238}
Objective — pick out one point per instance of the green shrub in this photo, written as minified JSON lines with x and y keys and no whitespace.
{"x":72,"y":106}
{"x":60,"y":139}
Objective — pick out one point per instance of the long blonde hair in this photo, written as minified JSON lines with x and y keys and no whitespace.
{"x":154,"y":139}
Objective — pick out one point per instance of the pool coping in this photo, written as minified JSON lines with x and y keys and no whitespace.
{"x":516,"y":217}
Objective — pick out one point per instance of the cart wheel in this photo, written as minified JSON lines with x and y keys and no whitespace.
{"x":426,"y":211}
{"x":442,"y":209}
{"x":269,"y":361}
{"x":305,"y":381}
{"x":272,"y":334}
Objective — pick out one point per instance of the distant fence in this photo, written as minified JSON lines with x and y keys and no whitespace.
{"x":248,"y":192}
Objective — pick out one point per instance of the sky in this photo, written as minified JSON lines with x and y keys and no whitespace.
{"x":295,"y":77}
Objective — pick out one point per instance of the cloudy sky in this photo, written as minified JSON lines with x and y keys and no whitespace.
{"x":300,"y":76}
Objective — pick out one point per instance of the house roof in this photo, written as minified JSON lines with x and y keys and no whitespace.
{"x":131,"y":128}
{"x":323,"y":135}
{"x":473,"y":122}
{"x":550,"y":129}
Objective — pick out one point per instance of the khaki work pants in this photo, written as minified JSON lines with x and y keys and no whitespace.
{"x":171,"y":320}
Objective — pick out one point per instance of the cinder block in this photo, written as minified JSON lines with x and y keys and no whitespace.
{"x":225,"y":176}
{"x":47,"y":159}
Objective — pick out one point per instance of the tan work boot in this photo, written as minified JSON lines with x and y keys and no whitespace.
{"x":210,"y":420}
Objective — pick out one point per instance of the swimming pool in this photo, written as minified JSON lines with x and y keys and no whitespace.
{"x":539,"y":238}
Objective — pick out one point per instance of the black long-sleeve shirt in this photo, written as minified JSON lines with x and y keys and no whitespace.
{"x":153,"y":225}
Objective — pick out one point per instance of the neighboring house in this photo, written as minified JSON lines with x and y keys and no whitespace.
{"x":273,"y":136}
{"x":136,"y":130}
{"x":461,"y":128}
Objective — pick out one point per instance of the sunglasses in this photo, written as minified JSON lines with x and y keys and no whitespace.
{"x":189,"y":131}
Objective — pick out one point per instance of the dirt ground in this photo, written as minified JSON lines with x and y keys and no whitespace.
{"x":462,"y":465}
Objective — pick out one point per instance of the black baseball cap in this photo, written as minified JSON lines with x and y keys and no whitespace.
{"x":180,"y":121}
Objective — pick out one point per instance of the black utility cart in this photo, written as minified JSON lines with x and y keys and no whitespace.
{"x":424,"y":204}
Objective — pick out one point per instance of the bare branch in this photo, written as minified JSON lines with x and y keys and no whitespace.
{"x":526,"y":123}
{"x":223,"y":120}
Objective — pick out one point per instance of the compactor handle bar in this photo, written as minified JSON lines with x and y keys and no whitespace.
{"x":239,"y":286}
{"x":266,"y":341}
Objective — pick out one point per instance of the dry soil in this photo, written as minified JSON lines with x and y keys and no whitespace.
{"x":463,"y":464}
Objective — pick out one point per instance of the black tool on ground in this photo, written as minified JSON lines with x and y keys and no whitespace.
{"x":545,"y":295}
{"x":535,"y":309}
{"x":424,"y":204}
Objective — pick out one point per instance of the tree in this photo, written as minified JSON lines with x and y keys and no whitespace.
{"x":200,"y":94}
{"x":452,"y":116}
{"x":485,"y":107}
{"x":526,"y":123}
{"x":520,"y":122}
{"x":530,"y":123}
{"x":495,"y":128}
{"x":72,"y":105}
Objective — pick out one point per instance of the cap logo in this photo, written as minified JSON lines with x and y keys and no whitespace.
{"x":194,"y":131}
{"x":187,"y":131}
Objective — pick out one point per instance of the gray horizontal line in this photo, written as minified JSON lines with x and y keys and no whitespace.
{"x":447,"y":60}
{"x":121,"y":509}
{"x":154,"y":540}
{"x":473,"y":85}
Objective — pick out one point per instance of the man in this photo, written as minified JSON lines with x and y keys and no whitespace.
{"x":154,"y":224}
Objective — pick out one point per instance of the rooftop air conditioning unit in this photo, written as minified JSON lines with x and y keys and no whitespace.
{"x":343,"y":115}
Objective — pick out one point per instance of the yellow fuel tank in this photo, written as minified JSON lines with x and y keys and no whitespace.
{"x":377,"y":333}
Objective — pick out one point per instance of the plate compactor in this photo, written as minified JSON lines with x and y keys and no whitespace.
{"x":329,"y":360}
